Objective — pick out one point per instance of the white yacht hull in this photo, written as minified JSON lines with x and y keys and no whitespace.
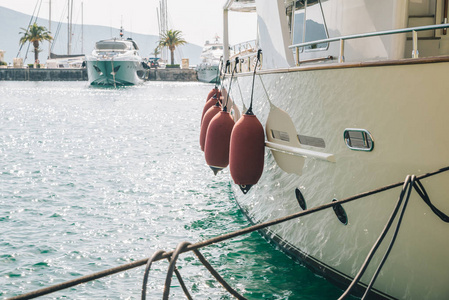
{"x":404,"y":107}
{"x":208,"y":74}
{"x":127,"y":72}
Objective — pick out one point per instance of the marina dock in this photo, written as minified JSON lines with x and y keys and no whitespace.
{"x":172,"y":75}
{"x":21,"y":74}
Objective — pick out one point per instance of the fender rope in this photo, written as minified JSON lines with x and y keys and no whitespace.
{"x":409,"y":183}
{"x":249,"y":111}
{"x":230,"y":84}
{"x":156,"y":256}
{"x":192,"y":247}
{"x":171,"y":269}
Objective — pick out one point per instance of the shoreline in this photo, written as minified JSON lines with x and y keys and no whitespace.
{"x":22,"y":74}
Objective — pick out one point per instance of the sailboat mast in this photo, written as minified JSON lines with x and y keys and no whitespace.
{"x":49,"y":27}
{"x":82,"y":27}
{"x":71,"y":21}
{"x":163,"y":25}
{"x":158,"y":22}
{"x":68,"y":27}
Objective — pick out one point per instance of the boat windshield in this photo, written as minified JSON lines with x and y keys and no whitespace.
{"x":111,"y":46}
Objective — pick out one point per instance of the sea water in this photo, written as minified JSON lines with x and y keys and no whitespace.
{"x":93,"y":178}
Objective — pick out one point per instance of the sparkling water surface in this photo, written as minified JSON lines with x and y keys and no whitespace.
{"x":94,"y":178}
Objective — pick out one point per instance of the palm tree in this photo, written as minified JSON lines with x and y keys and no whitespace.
{"x":35,"y":34}
{"x":156,"y":51}
{"x":171,"y":39}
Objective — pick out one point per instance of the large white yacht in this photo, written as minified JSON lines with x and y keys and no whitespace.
{"x":115,"y":61}
{"x":208,"y":69}
{"x":353,"y":98}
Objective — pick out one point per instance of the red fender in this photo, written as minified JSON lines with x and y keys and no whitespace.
{"x":218,"y":138}
{"x":247,"y":151}
{"x":210,"y":113}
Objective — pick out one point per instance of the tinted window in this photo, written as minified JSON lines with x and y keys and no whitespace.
{"x":110,"y":46}
{"x":313,"y":28}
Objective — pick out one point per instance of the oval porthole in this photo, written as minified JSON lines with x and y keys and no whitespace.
{"x":340,"y":213}
{"x":358,"y":139}
{"x":300,"y":198}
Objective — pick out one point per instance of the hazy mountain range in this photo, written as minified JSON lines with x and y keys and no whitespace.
{"x":12,"y":21}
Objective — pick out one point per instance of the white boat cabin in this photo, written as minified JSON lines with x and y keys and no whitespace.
{"x":345,"y":26}
{"x":115,"y":45}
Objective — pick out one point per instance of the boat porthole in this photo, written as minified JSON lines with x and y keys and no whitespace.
{"x":340,"y":212}
{"x":300,"y":198}
{"x":358,"y":139}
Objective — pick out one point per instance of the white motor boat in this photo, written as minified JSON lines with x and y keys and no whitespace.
{"x":75,"y":61}
{"x":115,"y":61}
{"x":352,"y":97}
{"x":208,"y":69}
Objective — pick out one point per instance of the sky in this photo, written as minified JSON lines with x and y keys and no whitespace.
{"x":199,"y":20}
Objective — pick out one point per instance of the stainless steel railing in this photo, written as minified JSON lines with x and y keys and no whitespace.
{"x":246,"y":52}
{"x":342,"y":39}
{"x":243,"y":47}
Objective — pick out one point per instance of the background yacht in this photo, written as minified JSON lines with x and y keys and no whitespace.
{"x":115,"y":61}
{"x":208,"y":69}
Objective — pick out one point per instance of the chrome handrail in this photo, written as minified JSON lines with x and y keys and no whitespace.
{"x":370,"y":34}
{"x":250,"y":50}
{"x":244,"y":45}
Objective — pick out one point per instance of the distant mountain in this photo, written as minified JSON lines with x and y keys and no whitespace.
{"x":12,"y":21}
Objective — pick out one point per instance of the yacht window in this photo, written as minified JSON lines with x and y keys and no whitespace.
{"x":308,"y":24}
{"x":110,"y":46}
{"x":298,"y":22}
